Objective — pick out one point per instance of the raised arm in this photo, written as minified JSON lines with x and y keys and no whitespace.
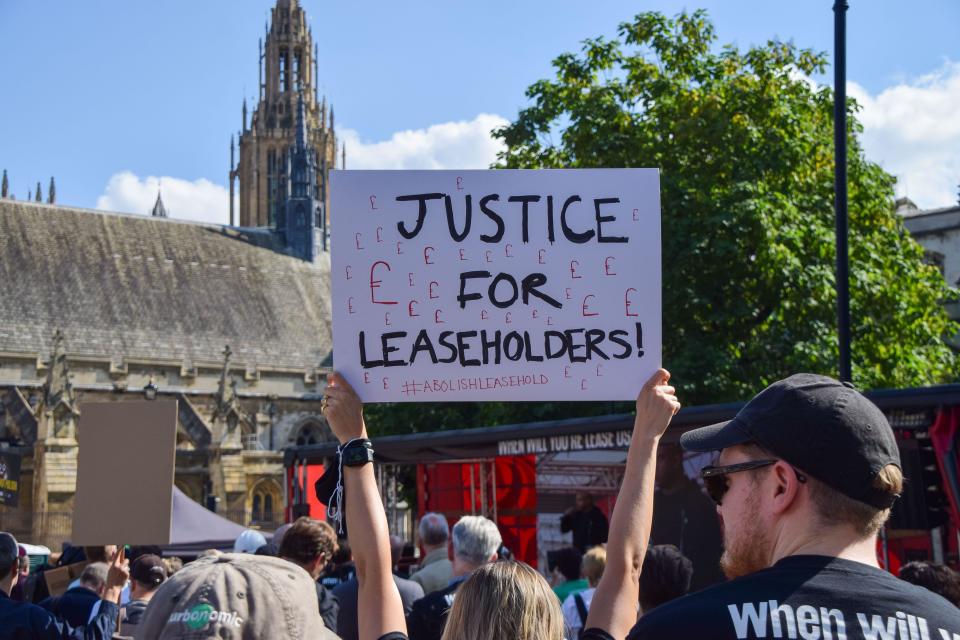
{"x":378,"y":599}
{"x":614,"y":605}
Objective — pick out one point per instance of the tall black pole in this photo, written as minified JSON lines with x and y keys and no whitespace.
{"x":840,"y":182}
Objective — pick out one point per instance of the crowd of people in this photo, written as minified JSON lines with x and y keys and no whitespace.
{"x":804,"y":479}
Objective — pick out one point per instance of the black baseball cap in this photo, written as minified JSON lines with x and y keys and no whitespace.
{"x":148,"y":569}
{"x":823,"y":427}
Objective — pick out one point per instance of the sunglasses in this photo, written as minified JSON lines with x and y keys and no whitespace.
{"x":715,"y":478}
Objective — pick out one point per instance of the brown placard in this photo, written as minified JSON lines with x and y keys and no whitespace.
{"x":125,"y":473}
{"x":60,"y":578}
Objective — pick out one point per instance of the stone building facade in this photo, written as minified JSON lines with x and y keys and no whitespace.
{"x":99,"y":307}
{"x":288,"y":72}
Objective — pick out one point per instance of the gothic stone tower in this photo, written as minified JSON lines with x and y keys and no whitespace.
{"x":288,"y":69}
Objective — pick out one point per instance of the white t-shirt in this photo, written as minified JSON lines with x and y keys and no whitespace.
{"x":571,"y":615}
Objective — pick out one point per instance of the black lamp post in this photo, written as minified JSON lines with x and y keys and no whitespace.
{"x":840,"y":183}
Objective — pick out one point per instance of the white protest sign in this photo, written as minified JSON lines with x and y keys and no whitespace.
{"x":496,"y":285}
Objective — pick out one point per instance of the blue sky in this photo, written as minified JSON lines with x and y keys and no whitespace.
{"x":94,"y":89}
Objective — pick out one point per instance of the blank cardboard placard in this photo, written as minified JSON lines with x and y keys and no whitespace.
{"x":125,"y":473}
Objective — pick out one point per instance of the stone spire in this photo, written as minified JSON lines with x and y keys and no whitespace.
{"x":343,"y":157}
{"x":52,"y":192}
{"x":243,"y":127}
{"x":38,"y":196}
{"x":159,"y":211}
{"x":5,"y":186}
{"x":58,"y":388}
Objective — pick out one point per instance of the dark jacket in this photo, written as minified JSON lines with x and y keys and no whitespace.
{"x":74,"y":606}
{"x":589,"y":528}
{"x":348,"y":592}
{"x":429,"y":614}
{"x":687,"y":518}
{"x":329,"y":607}
{"x":25,"y":621}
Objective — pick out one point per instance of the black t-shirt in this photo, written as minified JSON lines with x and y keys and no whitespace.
{"x":804,"y":597}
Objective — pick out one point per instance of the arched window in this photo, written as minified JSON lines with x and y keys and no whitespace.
{"x":310,"y":433}
{"x":263,"y":497}
{"x":257,"y":511}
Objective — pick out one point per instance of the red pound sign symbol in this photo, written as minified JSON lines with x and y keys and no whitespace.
{"x":379,"y":234}
{"x":386,"y":319}
{"x":568,"y":293}
{"x":410,"y":278}
{"x":375,"y":284}
{"x":606,"y":266}
{"x":386,"y":384}
{"x":459,"y":183}
{"x":573,"y":270}
{"x":488,"y":256}
{"x":373,"y":203}
{"x":506,"y":250}
{"x":426,"y":255}
{"x":350,"y":305}
{"x":540,"y":256}
{"x":366,"y":377}
{"x":432,"y":285}
{"x":599,"y":366}
{"x":636,"y":215}
{"x":549,"y":321}
{"x":509,"y":318}
{"x":534,"y":314}
{"x":627,"y":302}
{"x":356,"y":239}
{"x":583,"y":384}
{"x":462,"y":257}
{"x":585,"y":306}
{"x":410,"y":308}
{"x":566,"y":372}
{"x":399,"y":252}
{"x":436,"y":317}
{"x":483,"y":314}
{"x":349,"y":273}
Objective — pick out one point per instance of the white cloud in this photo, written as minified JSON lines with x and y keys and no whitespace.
{"x":451,"y":145}
{"x":199,"y":200}
{"x":912,"y":129}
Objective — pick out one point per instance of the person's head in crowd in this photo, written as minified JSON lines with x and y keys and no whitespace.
{"x":269,"y":549}
{"x":593,"y":563}
{"x":434,"y":531}
{"x":807,"y":466}
{"x":249,"y":541}
{"x":583,"y":501}
{"x":342,"y":554}
{"x":504,"y":599}
{"x":147,"y":573}
{"x":172,"y":564}
{"x":665,"y":576}
{"x":94,"y":577}
{"x":135,"y":551}
{"x":279,"y":533}
{"x":9,"y":562}
{"x":938,"y":578}
{"x":100,"y":554}
{"x":238,"y":596}
{"x":564,"y":564}
{"x":669,"y":473}
{"x":310,"y":544}
{"x":24,"y":562}
{"x":475,"y":543}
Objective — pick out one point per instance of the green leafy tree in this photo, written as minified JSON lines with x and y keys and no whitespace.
{"x":744,"y":142}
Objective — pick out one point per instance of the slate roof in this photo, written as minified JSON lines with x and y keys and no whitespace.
{"x":134,"y":287}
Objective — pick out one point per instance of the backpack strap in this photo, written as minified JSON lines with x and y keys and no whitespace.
{"x":581,"y":609}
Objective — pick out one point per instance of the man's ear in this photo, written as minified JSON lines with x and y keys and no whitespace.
{"x":785,"y":487}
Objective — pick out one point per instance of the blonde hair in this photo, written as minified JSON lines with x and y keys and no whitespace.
{"x":505,"y":599}
{"x":593,"y":563}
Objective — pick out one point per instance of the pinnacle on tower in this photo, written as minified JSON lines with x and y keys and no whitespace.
{"x":52,"y":192}
{"x":159,"y":211}
{"x":38,"y":196}
{"x":302,"y":141}
{"x":5,"y":186}
{"x":243,"y":127}
{"x":343,"y":157}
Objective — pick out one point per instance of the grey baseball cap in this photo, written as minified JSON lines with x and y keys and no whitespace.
{"x":237,"y":596}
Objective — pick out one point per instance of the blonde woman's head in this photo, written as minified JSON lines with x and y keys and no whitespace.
{"x":505,"y":599}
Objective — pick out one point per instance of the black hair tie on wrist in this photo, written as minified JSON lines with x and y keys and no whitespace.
{"x":329,"y":488}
